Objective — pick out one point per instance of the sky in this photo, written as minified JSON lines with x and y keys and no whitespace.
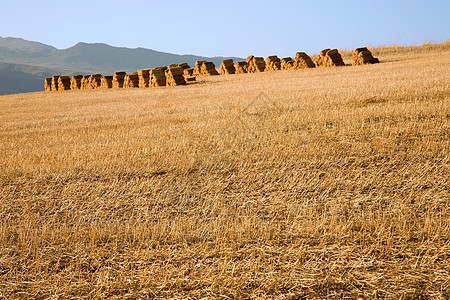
{"x":228,"y":28}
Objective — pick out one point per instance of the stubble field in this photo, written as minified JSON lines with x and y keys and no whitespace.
{"x":311,"y":184}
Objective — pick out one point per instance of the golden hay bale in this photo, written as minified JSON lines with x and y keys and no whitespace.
{"x":63,"y":83}
{"x":107,"y":82}
{"x":227,"y":67}
{"x":241,"y":67}
{"x":185,"y":66}
{"x":95,"y":81}
{"x":118,"y":80}
{"x":303,"y":61}
{"x":131,"y":80}
{"x":208,"y":69}
{"x":287,"y":63}
{"x":198,"y":67}
{"x":55,"y":82}
{"x":157,"y":77}
{"x":174,"y":76}
{"x":144,"y":78}
{"x":48,"y":84}
{"x":85,"y":82}
{"x":255,"y":64}
{"x":75,"y":82}
{"x":329,"y":58}
{"x":188,"y":72}
{"x":273,"y":63}
{"x":362,"y":56}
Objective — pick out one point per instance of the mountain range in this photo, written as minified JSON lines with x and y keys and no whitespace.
{"x":24,"y":64}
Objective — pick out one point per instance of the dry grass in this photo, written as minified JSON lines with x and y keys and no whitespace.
{"x":333,"y":184}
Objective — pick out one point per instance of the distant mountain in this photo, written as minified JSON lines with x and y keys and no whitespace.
{"x":91,"y":58}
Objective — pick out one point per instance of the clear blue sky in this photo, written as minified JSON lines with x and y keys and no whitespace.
{"x":228,"y":28}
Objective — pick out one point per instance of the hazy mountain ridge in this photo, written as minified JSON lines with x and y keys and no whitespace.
{"x":20,"y":58}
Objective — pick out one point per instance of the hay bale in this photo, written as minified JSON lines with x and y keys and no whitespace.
{"x":107,"y":82}
{"x":144,"y":78}
{"x":329,"y":58}
{"x":185,"y":66}
{"x":255,"y":64}
{"x":188,"y":72}
{"x":75,"y":82}
{"x":190,"y":78}
{"x":174,"y":76}
{"x":131,"y":80}
{"x":207,"y":69}
{"x":198,"y":67}
{"x":95,"y":81}
{"x":303,"y":61}
{"x":55,"y":82}
{"x":157,"y":77}
{"x":48,"y":84}
{"x":362,"y":56}
{"x":63,"y":83}
{"x":273,"y":63}
{"x":287,"y":63}
{"x":227,"y":67}
{"x":118,"y":80}
{"x":241,"y":67}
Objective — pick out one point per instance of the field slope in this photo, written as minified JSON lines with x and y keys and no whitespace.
{"x":320,"y":183}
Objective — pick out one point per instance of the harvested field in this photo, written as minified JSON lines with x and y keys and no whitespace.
{"x":325,"y":183}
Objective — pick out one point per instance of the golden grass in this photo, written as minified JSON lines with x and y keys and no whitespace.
{"x":332,"y":183}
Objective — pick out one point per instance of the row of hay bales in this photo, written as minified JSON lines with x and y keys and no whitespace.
{"x":179,"y":74}
{"x":174,"y":74}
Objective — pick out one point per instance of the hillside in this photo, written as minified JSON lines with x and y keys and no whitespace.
{"x":90,"y":58}
{"x":327,"y":183}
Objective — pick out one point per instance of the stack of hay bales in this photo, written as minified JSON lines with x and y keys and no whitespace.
{"x":241,"y":67}
{"x":185,"y":66}
{"x":273,"y":63}
{"x":255,"y":64}
{"x":48,"y":84}
{"x":75,"y":82}
{"x":208,"y":69}
{"x":118,"y":80}
{"x":303,"y":61}
{"x":157,"y":77}
{"x":85,"y":82}
{"x":144,"y":77}
{"x":329,"y":58}
{"x":95,"y":81}
{"x":227,"y":67}
{"x":362,"y":56}
{"x":131,"y":80}
{"x":107,"y":82}
{"x":287,"y":63}
{"x":174,"y":75}
{"x":55,"y":82}
{"x":188,"y":72}
{"x":198,"y":67}
{"x":64,"y":83}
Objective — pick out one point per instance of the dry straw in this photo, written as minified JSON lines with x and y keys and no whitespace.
{"x":95,"y":81}
{"x":157,"y":77}
{"x":174,"y":75}
{"x":255,"y":64}
{"x":107,"y":82}
{"x":131,"y":80}
{"x":48,"y":84}
{"x":118,"y":80}
{"x":85,"y":82}
{"x":144,"y":78}
{"x":55,"y":82}
{"x":64,"y":83}
{"x":273,"y":63}
{"x":75,"y":82}
{"x":303,"y":61}
{"x":241,"y":67}
{"x":329,"y":58}
{"x":362,"y":56}
{"x":287,"y":63}
{"x":227,"y":67}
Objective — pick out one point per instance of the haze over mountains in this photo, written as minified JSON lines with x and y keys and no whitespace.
{"x":24,"y":64}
